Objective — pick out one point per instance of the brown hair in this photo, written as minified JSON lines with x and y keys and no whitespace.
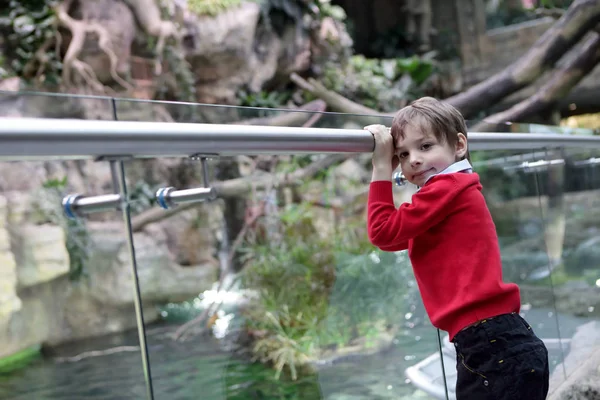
{"x":432,"y":116}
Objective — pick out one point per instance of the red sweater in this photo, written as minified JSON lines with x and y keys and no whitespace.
{"x":452,"y":245}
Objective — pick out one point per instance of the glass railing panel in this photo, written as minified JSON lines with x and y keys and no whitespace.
{"x":66,"y":302}
{"x":306,"y":307}
{"x":511,"y":185}
{"x":576,"y":276}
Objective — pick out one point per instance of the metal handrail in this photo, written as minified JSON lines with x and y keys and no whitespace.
{"x":44,"y":138}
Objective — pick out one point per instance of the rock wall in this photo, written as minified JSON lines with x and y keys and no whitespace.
{"x":41,"y":304}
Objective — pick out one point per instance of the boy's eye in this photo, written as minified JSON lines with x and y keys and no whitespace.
{"x":403,"y":155}
{"x":426,"y":146}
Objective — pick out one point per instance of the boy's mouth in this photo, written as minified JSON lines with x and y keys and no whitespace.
{"x":421,"y":174}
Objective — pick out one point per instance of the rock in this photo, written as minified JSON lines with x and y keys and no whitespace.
{"x":21,"y":176}
{"x":50,"y":308}
{"x":220,"y":52}
{"x":351,"y":171}
{"x":10,"y":302}
{"x":41,"y":254}
{"x":109,"y":278}
{"x":117,"y":18}
{"x":582,"y":365}
{"x":189,"y":235}
{"x":40,"y":106}
{"x":235,"y":50}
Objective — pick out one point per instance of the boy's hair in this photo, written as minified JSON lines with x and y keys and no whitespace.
{"x":431,"y":115}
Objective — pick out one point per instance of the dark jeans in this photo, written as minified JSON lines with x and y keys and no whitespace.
{"x":501,"y":358}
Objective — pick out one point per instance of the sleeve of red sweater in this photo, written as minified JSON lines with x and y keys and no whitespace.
{"x":390,"y":229}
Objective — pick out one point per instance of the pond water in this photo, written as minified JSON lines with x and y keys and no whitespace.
{"x":201,"y":368}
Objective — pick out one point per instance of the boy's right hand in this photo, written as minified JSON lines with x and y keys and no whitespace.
{"x":383,"y":154}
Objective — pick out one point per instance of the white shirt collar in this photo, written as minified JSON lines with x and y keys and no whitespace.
{"x":459,"y":166}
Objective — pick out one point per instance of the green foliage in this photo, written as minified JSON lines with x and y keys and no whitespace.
{"x":264,"y":99}
{"x":212,"y":7}
{"x":30,"y":24}
{"x":19,"y":360}
{"x":316,"y":294}
{"x":564,"y":4}
{"x":326,"y":9}
{"x":381,"y":84}
{"x":76,"y":234}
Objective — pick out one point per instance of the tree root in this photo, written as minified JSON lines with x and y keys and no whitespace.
{"x":71,"y":62}
{"x":148,"y":15}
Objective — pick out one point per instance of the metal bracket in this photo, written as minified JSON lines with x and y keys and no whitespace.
{"x":399,"y":179}
{"x":77,"y":205}
{"x":169,"y":197}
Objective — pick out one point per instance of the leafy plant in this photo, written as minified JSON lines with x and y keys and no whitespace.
{"x":316,"y":294}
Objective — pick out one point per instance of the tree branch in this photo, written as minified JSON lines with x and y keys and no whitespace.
{"x":581,"y":17}
{"x":241,"y":186}
{"x":582,"y":63}
{"x":294,"y":117}
{"x":335,"y":101}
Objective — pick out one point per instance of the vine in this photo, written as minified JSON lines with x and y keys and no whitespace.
{"x":179,"y":66}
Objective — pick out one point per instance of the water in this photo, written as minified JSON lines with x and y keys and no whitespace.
{"x":202,"y":369}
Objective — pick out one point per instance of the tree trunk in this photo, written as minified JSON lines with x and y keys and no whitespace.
{"x":582,"y":16}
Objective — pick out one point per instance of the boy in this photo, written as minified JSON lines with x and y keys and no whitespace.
{"x":453,"y":247}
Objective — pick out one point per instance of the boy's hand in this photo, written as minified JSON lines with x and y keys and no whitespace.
{"x":384,"y":160}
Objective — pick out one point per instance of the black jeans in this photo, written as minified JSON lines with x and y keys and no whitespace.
{"x":501,"y":359}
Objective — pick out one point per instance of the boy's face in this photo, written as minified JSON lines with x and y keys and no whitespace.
{"x":422,"y":155}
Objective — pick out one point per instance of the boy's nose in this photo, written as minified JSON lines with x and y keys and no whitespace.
{"x":415,"y":161}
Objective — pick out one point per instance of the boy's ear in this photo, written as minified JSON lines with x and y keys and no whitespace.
{"x":460,"y":150}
